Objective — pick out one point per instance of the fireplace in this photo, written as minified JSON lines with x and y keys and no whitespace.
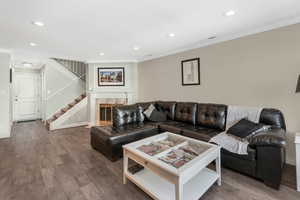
{"x":104,"y":107}
{"x":105,"y":114}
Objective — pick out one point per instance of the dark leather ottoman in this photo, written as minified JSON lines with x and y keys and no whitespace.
{"x":109,"y":140}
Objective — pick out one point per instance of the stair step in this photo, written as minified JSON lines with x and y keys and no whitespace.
{"x":48,"y":126}
{"x":66,"y":109}
{"x":72,"y":104}
{"x":78,"y":99}
{"x":57,"y":115}
{"x":51,"y":119}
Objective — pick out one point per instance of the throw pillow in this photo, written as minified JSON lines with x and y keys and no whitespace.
{"x":149,"y":111}
{"x":157,"y":116}
{"x":244,"y":128}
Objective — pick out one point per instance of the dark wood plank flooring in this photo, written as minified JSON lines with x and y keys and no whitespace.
{"x":36,"y":165}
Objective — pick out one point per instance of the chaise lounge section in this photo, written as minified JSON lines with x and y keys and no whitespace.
{"x":266,"y":150}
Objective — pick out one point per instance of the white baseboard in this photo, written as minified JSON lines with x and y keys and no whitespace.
{"x":70,"y":125}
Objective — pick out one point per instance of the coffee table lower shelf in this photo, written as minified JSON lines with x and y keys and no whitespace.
{"x":159,"y":188}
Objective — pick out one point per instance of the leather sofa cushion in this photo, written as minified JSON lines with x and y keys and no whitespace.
{"x":275,"y":137}
{"x":198,"y":132}
{"x":212,"y":116}
{"x":168,"y":107}
{"x":123,"y":134}
{"x":157,"y":116}
{"x":272,"y":117}
{"x":123,"y":115}
{"x":186,"y":112}
{"x":240,"y":163}
{"x":109,"y":140}
{"x":171,"y":126}
{"x":251,"y":156}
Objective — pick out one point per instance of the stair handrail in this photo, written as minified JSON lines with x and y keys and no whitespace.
{"x":61,"y":62}
{"x":63,"y":88}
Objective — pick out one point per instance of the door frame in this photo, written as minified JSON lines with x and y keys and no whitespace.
{"x":27,"y":71}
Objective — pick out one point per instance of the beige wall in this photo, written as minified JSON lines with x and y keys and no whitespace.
{"x":259,"y":70}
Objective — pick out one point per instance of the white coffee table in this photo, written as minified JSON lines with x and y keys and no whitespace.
{"x":163,"y":181}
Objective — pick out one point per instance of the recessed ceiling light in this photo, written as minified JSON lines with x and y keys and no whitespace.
{"x":32,"y":44}
{"x":101,"y":54}
{"x":136,"y":48}
{"x":171,"y":34}
{"x":230,"y":13}
{"x":37,"y":23}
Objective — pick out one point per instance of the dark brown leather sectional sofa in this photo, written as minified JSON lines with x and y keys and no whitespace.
{"x":266,"y":151}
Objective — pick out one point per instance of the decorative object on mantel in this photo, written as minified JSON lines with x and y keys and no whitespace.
{"x":298,"y":85}
{"x":111,"y":76}
{"x":190,"y":71}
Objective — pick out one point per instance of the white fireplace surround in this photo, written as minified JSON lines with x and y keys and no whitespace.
{"x":107,"y":98}
{"x":111,"y":100}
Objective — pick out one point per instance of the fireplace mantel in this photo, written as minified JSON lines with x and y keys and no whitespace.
{"x":95,"y":98}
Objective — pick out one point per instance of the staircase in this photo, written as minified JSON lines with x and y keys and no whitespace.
{"x":73,"y":114}
{"x":64,"y":110}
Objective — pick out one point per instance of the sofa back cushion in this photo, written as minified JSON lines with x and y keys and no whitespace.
{"x":145,"y":105}
{"x":167,"y":107}
{"x":212,"y":116}
{"x":272,"y":117}
{"x":123,"y":115}
{"x":186,"y":112}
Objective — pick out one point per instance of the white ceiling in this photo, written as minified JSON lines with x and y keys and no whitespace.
{"x":81,"y":29}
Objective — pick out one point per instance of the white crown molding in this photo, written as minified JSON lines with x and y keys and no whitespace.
{"x":268,"y":27}
{"x":112,"y":61}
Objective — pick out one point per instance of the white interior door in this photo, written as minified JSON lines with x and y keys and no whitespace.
{"x":27,"y":86}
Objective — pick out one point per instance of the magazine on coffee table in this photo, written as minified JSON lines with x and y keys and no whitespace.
{"x":183,"y":155}
{"x":157,"y":147}
{"x":176,"y":157}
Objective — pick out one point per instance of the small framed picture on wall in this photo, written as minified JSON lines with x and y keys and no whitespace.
{"x":190,"y":72}
{"x":111,"y":76}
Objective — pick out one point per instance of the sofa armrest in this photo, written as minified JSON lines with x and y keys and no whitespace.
{"x":270,"y":148}
{"x":273,"y":137}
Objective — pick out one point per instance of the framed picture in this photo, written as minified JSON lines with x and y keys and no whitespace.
{"x":190,"y":71}
{"x":113,"y":76}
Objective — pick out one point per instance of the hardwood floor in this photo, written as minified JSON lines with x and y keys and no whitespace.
{"x":36,"y":165}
